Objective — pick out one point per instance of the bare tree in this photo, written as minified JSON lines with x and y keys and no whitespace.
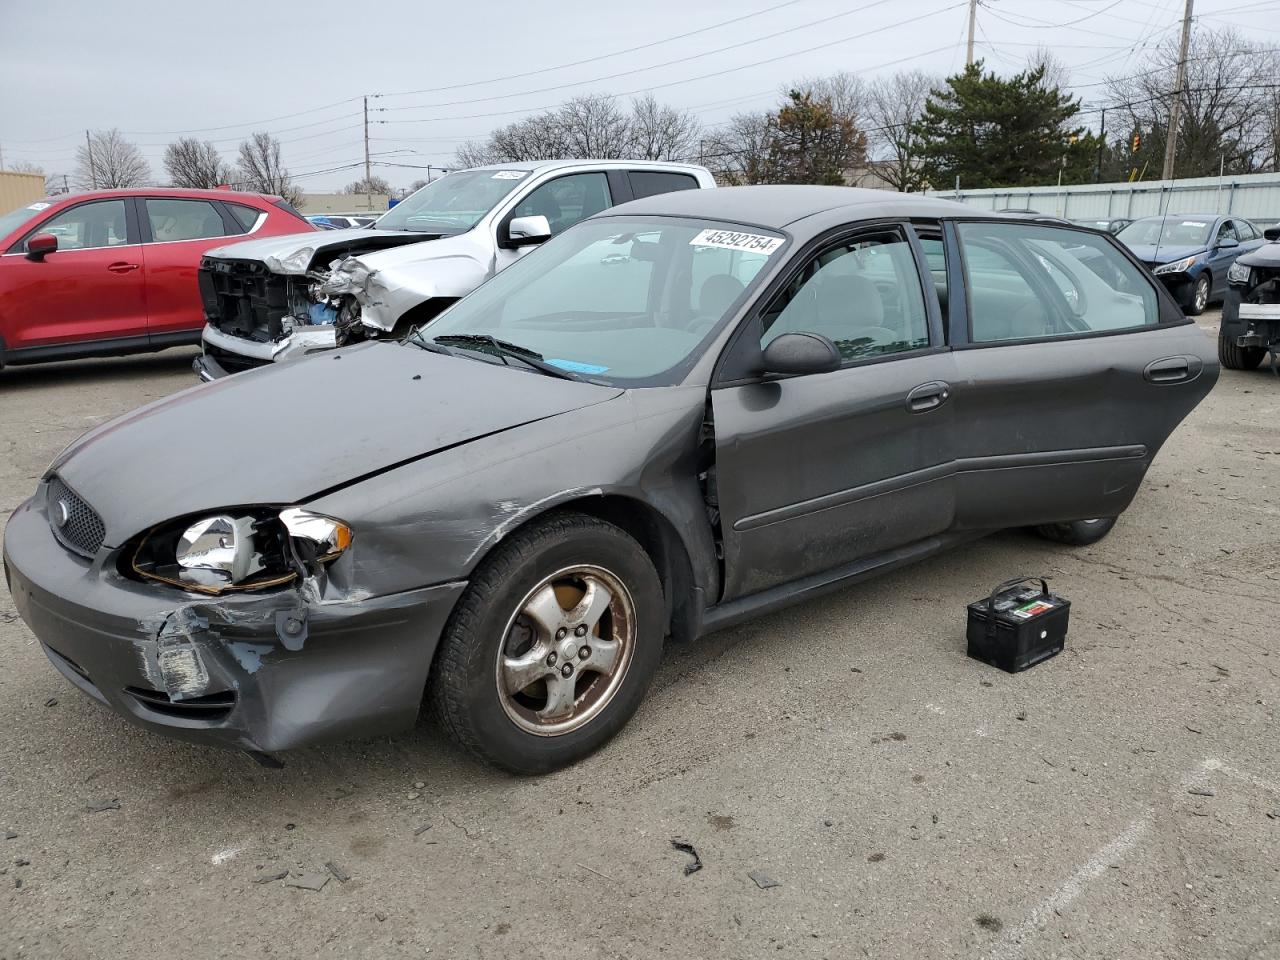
{"x":594,"y":126}
{"x":661,"y":132}
{"x":894,"y":103}
{"x":738,"y":151}
{"x":195,"y":163}
{"x":261,"y":170}
{"x":846,"y":93}
{"x":373,"y":184}
{"x":1056,"y":73}
{"x":109,"y":160}
{"x":1228,"y":116}
{"x":25,"y":166}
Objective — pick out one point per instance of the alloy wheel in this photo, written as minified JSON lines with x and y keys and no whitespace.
{"x":566,"y":650}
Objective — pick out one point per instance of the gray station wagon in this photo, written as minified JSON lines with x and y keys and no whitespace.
{"x":679,"y":413}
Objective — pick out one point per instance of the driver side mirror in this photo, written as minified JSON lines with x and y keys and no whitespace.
{"x":1226,"y":243}
{"x":527,"y":231}
{"x":1271,"y":233}
{"x":801,"y":353}
{"x":41,"y":245}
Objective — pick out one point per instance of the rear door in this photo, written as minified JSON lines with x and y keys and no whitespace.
{"x":177,"y":232}
{"x":820,"y":471}
{"x":90,"y":289}
{"x":1073,"y":367}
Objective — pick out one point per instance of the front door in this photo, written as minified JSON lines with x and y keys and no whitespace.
{"x":89,"y":289}
{"x":563,"y":201}
{"x":1072,"y":369}
{"x":816,"y":472}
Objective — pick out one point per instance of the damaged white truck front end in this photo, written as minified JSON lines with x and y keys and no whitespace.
{"x":281,"y":298}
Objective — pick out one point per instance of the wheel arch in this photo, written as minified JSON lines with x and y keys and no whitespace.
{"x":657,"y":535}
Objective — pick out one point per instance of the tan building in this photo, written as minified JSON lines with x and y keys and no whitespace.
{"x":19,"y":189}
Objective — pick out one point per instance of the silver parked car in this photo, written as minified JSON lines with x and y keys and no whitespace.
{"x":679,"y":414}
{"x":271,"y":301}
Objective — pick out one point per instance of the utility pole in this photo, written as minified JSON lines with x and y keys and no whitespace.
{"x":369,"y":188}
{"x":1102,"y":145}
{"x":93,"y":174}
{"x":1171,"y":137}
{"x":973,"y":23}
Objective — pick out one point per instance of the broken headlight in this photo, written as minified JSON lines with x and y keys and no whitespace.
{"x":1238,"y":273}
{"x":239,"y":550}
{"x":295,"y":263}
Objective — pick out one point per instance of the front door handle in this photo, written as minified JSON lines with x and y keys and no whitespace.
{"x":121,"y":267}
{"x":928,"y":396}
{"x":1173,"y":369}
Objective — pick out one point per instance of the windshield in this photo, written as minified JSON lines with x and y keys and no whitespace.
{"x":1167,"y":232}
{"x":14,"y":219}
{"x":624,"y":301}
{"x":452,"y":204}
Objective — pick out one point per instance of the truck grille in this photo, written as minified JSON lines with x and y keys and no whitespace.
{"x":75,"y":524}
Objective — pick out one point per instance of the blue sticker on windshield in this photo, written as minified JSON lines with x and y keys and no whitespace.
{"x":573,"y":366}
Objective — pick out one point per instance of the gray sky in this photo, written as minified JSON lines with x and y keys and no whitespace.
{"x":158,"y":69}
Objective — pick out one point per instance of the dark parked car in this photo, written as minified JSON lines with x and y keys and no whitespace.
{"x":1250,"y":327}
{"x":1191,"y":253}
{"x":112,"y":272}
{"x":678,"y":414}
{"x":1106,"y":224}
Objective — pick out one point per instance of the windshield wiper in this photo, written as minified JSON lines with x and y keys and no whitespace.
{"x":503,"y":349}
{"x":415,"y":337}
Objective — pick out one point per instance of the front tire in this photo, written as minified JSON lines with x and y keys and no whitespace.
{"x":1236,"y":357}
{"x":1200,"y":295}
{"x":1077,"y":533}
{"x":552,"y":646}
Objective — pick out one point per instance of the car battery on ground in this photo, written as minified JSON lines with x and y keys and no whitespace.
{"x":1018,"y":626}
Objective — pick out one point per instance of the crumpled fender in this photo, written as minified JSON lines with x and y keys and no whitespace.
{"x":385,"y":294}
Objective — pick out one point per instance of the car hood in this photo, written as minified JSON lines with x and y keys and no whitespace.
{"x":1148,"y":253}
{"x":284,"y":245}
{"x":1267,"y":255}
{"x":284,"y":434}
{"x":463,"y":245}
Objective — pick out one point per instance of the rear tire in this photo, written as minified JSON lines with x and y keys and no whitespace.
{"x":1077,"y":533}
{"x":567,"y":593}
{"x":1236,"y":357}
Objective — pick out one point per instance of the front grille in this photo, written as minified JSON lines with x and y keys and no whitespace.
{"x":75,"y":524}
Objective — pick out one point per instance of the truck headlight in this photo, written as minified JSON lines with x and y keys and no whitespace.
{"x":1239,"y":273}
{"x":239,"y":550}
{"x":1178,"y":266}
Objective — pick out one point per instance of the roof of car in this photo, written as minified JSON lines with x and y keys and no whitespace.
{"x":778,"y":206}
{"x":540,"y":165}
{"x":215,"y":193}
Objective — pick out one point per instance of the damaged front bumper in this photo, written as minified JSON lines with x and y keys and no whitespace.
{"x":256,"y":671}
{"x":225,"y":354}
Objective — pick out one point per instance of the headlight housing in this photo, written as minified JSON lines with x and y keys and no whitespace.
{"x":239,"y":550}
{"x":1239,"y":273}
{"x":295,"y":263}
{"x":1178,"y":266}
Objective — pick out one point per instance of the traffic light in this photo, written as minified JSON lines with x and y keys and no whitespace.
{"x":1136,"y":143}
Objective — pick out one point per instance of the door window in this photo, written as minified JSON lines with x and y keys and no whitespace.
{"x":183,"y":220}
{"x":1028,"y":281}
{"x":650,"y":183}
{"x":566,"y":200}
{"x":102,"y":223}
{"x":864,"y":295}
{"x":1227,"y":229}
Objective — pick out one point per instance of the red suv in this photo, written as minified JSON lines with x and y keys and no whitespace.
{"x":114,"y":271}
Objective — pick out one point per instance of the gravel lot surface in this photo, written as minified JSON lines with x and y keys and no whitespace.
{"x":1121,"y":800}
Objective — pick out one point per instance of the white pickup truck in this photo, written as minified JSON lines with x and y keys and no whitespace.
{"x":275,"y":298}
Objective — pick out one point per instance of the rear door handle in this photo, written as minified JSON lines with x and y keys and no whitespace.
{"x":121,"y":267}
{"x":1173,"y":369}
{"x":928,"y":396}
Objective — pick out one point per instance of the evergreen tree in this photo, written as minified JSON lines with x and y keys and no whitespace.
{"x":994,"y":132}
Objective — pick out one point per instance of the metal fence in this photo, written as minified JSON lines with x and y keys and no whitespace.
{"x":1253,"y":196}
